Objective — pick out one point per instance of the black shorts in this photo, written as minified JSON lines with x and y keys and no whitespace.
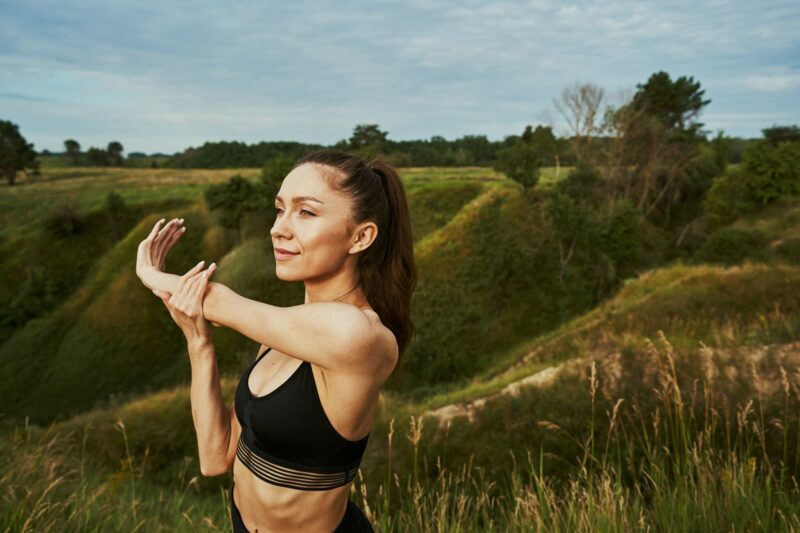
{"x":353,"y":520}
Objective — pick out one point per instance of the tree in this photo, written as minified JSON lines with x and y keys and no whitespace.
{"x":655,"y":158}
{"x":233,"y":199}
{"x":546,"y":145}
{"x":777,"y":134}
{"x":580,"y":105}
{"x":676,"y":104}
{"x":272,"y":176}
{"x":521,"y":161}
{"x":73,"y":150}
{"x":368,"y":141}
{"x":96,"y":157}
{"x":16,"y":154}
{"x":367,"y":135}
{"x":114,"y":153}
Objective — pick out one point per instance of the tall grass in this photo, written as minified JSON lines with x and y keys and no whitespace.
{"x":693,"y":461}
{"x":685,"y":456}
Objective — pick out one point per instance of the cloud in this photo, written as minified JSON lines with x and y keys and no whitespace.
{"x":174,"y":74}
{"x":773,"y":83}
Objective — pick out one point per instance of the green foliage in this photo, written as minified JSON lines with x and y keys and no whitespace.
{"x":225,"y":154}
{"x":778,"y":134}
{"x":233,"y":199}
{"x":730,"y":246}
{"x":96,"y":157}
{"x":72,"y":149}
{"x":729,"y":197}
{"x":37,"y":292}
{"x":722,"y":147}
{"x":674,"y":103}
{"x":114,"y":153}
{"x":789,"y":250}
{"x":16,"y":154}
{"x":272,"y":177}
{"x":774,"y":169}
{"x":598,"y":244}
{"x":521,"y":162}
{"x":115,"y":208}
{"x":64,"y":220}
{"x":368,"y":141}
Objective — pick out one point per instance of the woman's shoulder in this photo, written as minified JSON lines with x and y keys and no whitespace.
{"x":388,"y":341}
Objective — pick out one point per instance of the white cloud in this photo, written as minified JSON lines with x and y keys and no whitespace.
{"x":773,"y":83}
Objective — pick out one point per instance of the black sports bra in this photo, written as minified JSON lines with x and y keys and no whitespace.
{"x":288,"y":440}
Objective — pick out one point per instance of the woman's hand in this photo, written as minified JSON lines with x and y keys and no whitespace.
{"x":152,"y":252}
{"x":186,"y":304}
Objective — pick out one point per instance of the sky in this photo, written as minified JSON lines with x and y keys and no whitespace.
{"x":165,"y":76}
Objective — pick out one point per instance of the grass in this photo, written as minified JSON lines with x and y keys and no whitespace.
{"x":684,"y":465}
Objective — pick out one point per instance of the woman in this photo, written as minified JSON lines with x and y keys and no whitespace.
{"x":301,"y":416}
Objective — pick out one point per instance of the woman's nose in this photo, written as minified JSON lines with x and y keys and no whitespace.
{"x":279,"y":228}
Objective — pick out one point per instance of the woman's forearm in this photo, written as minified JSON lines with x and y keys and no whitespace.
{"x":211,"y":419}
{"x":155,"y":279}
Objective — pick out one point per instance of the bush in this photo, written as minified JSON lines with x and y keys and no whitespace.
{"x":776,"y":167}
{"x":64,"y":220}
{"x":730,"y":246}
{"x":730,"y":197}
{"x":790,"y":250}
{"x":272,"y":176}
{"x":233,"y":199}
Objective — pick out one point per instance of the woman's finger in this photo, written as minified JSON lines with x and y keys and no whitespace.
{"x":164,"y":233}
{"x":167,"y":239}
{"x":195,"y":269}
{"x":155,"y":229}
{"x":202,"y":282}
{"x":183,"y":279}
{"x":174,"y":238}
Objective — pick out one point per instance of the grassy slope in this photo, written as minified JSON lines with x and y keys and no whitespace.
{"x":733,"y":310}
{"x":76,"y":355}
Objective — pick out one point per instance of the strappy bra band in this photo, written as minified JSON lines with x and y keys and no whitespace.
{"x":289,"y":477}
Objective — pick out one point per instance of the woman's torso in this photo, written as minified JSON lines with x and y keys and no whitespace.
{"x":336,"y":412}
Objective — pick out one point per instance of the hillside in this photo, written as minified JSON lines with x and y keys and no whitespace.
{"x":542,"y":401}
{"x":513,"y":381}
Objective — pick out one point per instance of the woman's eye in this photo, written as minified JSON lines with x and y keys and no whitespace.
{"x":279,"y":211}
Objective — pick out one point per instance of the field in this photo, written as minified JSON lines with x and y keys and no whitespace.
{"x":667,"y":401}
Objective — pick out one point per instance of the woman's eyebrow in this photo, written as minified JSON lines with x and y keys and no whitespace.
{"x":297,"y":199}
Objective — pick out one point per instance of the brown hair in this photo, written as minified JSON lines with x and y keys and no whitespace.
{"x":386,"y":269}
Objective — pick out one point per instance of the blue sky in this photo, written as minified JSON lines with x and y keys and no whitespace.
{"x":163,"y":76}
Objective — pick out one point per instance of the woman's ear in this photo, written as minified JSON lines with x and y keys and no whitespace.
{"x":364,"y":236}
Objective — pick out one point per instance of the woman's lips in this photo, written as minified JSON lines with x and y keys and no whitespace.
{"x":283,"y":254}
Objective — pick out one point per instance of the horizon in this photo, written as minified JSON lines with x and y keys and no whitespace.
{"x":162,"y":79}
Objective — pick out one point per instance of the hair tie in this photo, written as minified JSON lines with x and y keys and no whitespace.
{"x":381,"y":175}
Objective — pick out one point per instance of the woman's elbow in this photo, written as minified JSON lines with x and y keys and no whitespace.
{"x":214,"y":468}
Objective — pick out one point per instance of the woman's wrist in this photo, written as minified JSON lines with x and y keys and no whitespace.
{"x":200,"y":348}
{"x":156,"y":279}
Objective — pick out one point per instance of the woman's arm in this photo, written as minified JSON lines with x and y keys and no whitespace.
{"x":216,"y":426}
{"x":331,"y":335}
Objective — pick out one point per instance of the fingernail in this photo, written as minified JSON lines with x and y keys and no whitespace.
{"x":212,"y":265}
{"x":200,"y":263}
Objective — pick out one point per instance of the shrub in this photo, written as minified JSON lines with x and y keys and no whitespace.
{"x":729,"y":197}
{"x":790,"y":250}
{"x":730,"y":246}
{"x":64,"y":220}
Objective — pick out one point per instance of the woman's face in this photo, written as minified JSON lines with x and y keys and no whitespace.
{"x":313,"y":221}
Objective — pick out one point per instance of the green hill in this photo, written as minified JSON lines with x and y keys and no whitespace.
{"x":514,"y":383}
